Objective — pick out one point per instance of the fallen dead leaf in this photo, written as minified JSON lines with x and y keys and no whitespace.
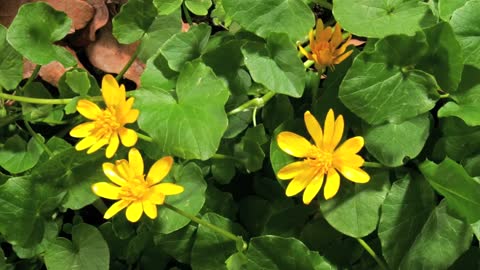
{"x":110,"y":56}
{"x":8,"y":10}
{"x":100,"y":18}
{"x":79,"y":11}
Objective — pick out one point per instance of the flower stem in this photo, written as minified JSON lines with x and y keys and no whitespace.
{"x":373,"y":165}
{"x":144,"y":137}
{"x":253,"y":103}
{"x":372,"y":253}
{"x":38,"y":139}
{"x":33,"y":76}
{"x":227,"y":234}
{"x":100,"y":206}
{"x":42,"y":101}
{"x":222,"y":156}
{"x":186,"y":13}
{"x":308,"y":63}
{"x":446,"y":95}
{"x":129,"y":63}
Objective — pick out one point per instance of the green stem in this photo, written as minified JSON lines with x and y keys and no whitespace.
{"x":129,"y":63}
{"x":308,"y":63}
{"x":100,"y":206}
{"x":372,"y":165}
{"x":227,"y":234}
{"x":42,"y":101}
{"x":325,"y":4}
{"x":34,"y":75}
{"x":187,"y":13}
{"x":372,"y":253}
{"x":446,"y":95}
{"x":222,"y":156}
{"x":144,"y":137}
{"x":253,"y":103}
{"x":38,"y":139}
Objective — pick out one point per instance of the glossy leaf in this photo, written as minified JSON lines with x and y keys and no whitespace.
{"x":262,"y":18}
{"x":465,"y":21}
{"x":178,"y":124}
{"x":198,"y":7}
{"x":354,"y":211}
{"x":87,"y":250}
{"x":27,"y":32}
{"x":393,"y":144}
{"x":166,"y":7}
{"x":461,"y":191}
{"x":17,"y":156}
{"x":11,"y":65}
{"x":275,"y":65}
{"x":371,"y":18}
{"x":191,"y":200}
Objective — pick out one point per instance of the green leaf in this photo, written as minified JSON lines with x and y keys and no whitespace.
{"x":140,"y":20}
{"x":404,"y":212}
{"x":460,"y":190}
{"x":275,"y":65}
{"x":17,"y":156}
{"x":211,"y":249}
{"x":354,"y":211}
{"x":465,"y":21}
{"x":198,"y":7}
{"x":186,"y":46}
{"x":278,"y":158}
{"x":178,"y":124}
{"x":278,"y":253}
{"x":444,"y":59}
{"x":389,"y":91}
{"x":178,"y":244}
{"x":27,"y":31}
{"x":220,"y":202}
{"x":166,"y":7}
{"x":78,"y":81}
{"x":87,"y":250}
{"x":447,"y":7}
{"x":372,"y":18}
{"x":394,"y":143}
{"x":223,"y":170}
{"x":73,"y":172}
{"x":442,"y":234}
{"x":238,"y":79}
{"x":11,"y":63}
{"x":51,"y":230}
{"x":25,"y":205}
{"x":276,"y":111}
{"x":469,"y":260}
{"x":262,"y":18}
{"x":191,"y":200}
{"x":157,"y":75}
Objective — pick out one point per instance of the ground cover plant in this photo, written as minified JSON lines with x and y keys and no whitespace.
{"x":240,"y":134}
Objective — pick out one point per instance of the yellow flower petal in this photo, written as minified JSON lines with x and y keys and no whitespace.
{"x":115,"y":208}
{"x":336,"y":37}
{"x":136,"y":161}
{"x":150,"y":209}
{"x":325,"y":34}
{"x":128,"y":136}
{"x":131,"y":116}
{"x":313,"y":188}
{"x":304,"y":52}
{"x":125,"y":107}
{"x":99,"y":144}
{"x":110,"y":171}
{"x":319,"y":27}
{"x":313,"y":128}
{"x":123,"y":168}
{"x":112,"y":93}
{"x":159,"y":170}
{"x":350,"y":146}
{"x":85,"y":143}
{"x":337,"y":133}
{"x":112,"y":146}
{"x":293,"y":144}
{"x":292,"y":170}
{"x":300,"y":182}
{"x":344,"y":56}
{"x":82,"y":130}
{"x":167,"y":189}
{"x":332,"y":184}
{"x":156,"y":197}
{"x":106,"y":190}
{"x":134,"y":211}
{"x":351,"y":160}
{"x":88,"y":109}
{"x":328,"y":129}
{"x":354,"y":174}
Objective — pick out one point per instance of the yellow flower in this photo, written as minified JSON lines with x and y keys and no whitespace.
{"x":322,"y":158}
{"x":107,"y":125}
{"x":325,"y":46}
{"x":132,"y":189}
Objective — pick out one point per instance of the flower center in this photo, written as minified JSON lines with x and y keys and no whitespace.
{"x":107,"y":123}
{"x":135,"y":190}
{"x":320,"y":159}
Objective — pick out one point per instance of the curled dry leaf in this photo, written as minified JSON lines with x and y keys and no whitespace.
{"x":100,"y":18}
{"x":51,"y":72}
{"x":110,"y":56}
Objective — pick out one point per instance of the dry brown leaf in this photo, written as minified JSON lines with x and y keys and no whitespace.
{"x":8,"y":10}
{"x":79,"y":11}
{"x":356,"y":42}
{"x":51,"y":72}
{"x":100,"y":18}
{"x":110,"y":56}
